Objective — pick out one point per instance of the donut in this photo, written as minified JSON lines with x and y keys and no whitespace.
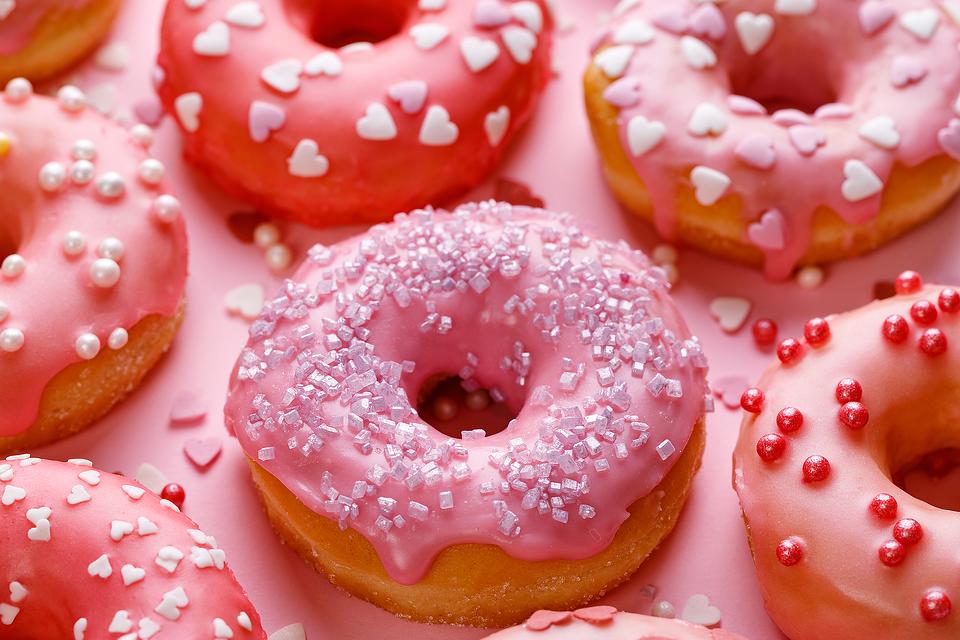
{"x":604,"y":622}
{"x":92,"y":553}
{"x":779,"y":133}
{"x":93,"y":261}
{"x":864,"y":396}
{"x":575,"y":337}
{"x":287,"y":105}
{"x":40,"y":38}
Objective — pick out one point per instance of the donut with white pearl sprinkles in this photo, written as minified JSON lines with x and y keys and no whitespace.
{"x":579,"y":390}
{"x":93,"y":264}
{"x":863,"y":396}
{"x":96,"y":555}
{"x":348,"y":111}
{"x":784,"y":133}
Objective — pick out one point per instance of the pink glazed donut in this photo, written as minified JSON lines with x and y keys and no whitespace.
{"x":842,"y":551}
{"x":577,"y":337}
{"x":89,"y":554}
{"x":281,"y":111}
{"x":779,"y":132}
{"x":93,"y":265}
{"x":606,"y":623}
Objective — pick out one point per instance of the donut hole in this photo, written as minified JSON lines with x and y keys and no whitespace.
{"x":452,"y":405}
{"x":11,"y":237}
{"x":933,"y":478}
{"x":338,"y":23}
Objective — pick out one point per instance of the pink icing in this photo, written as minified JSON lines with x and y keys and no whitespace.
{"x":24,"y":16}
{"x":54,"y":302}
{"x":89,"y":551}
{"x":332,"y":135}
{"x":822,"y":56}
{"x":320,"y":397}
{"x":839,"y":574}
{"x":616,"y":625}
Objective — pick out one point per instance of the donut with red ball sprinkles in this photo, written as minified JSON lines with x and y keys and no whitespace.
{"x":852,"y":403}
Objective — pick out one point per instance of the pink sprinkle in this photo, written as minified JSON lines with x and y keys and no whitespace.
{"x":875,"y":15}
{"x":708,"y":21}
{"x":806,"y":139}
{"x":491,"y":13}
{"x":410,"y":95}
{"x":949,"y":138}
{"x":834,"y":111}
{"x":623,"y":93}
{"x":265,"y":118}
{"x":543,"y":619}
{"x":595,"y":615}
{"x":745,"y":106}
{"x":187,"y":408}
{"x":202,"y":451}
{"x":790,"y":117}
{"x":149,"y":111}
{"x":906,"y":70}
{"x":756,"y":150}
{"x":729,"y":390}
{"x":768,"y":233}
{"x":673,"y":20}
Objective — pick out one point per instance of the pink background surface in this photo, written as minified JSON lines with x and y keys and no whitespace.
{"x":708,"y":551}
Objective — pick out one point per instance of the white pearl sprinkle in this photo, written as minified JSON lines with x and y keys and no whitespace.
{"x":71,"y":98}
{"x":88,"y":346}
{"x":278,"y":257}
{"x":82,"y":172}
{"x":13,"y":266}
{"x":151,"y":171}
{"x":52,"y":176}
{"x":83,"y":150}
{"x":810,"y":277}
{"x":104,"y":273}
{"x":664,"y":254}
{"x":4,"y":311}
{"x":111,"y":185}
{"x":166,"y":208}
{"x":118,"y":338}
{"x":142,"y":134}
{"x":11,"y":340}
{"x":74,"y":243}
{"x":18,"y":90}
{"x":266,"y":235}
{"x":111,"y":248}
{"x":663,"y":609}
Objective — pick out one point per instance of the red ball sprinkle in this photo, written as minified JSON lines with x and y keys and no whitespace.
{"x":908,"y":282}
{"x":816,"y":331}
{"x":949,"y":301}
{"x":789,"y":419}
{"x":892,"y":553}
{"x":908,"y":531}
{"x":175,"y":494}
{"x":923,"y":312}
{"x":884,"y":506}
{"x":933,"y":342}
{"x":849,"y":390}
{"x":854,"y":415}
{"x":788,"y":350}
{"x":895,"y":329}
{"x":752,"y":400}
{"x":771,"y":446}
{"x":764,"y":331}
{"x":935,"y":605}
{"x":790,"y":552}
{"x":815,"y":469}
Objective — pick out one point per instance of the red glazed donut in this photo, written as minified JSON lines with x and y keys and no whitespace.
{"x":279,"y":113}
{"x":840,"y":550}
{"x":90,"y":555}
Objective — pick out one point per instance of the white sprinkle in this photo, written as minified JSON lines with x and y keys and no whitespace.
{"x":131,"y":574}
{"x":151,"y":171}
{"x":119,"y":529}
{"x":91,"y":477}
{"x":110,"y":185}
{"x":135,"y":493}
{"x":71,"y":98}
{"x":11,"y":340}
{"x":104,"y":273}
{"x":146,"y":526}
{"x":168,"y":558}
{"x":78,"y":495}
{"x":665,"y":449}
{"x":74,"y":243}
{"x":100,"y":567}
{"x":87,"y":346}
{"x":52,"y":176}
{"x":166,"y":208}
{"x":13,"y":266}
{"x":118,"y":338}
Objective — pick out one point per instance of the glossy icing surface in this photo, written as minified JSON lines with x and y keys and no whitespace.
{"x":85,"y":253}
{"x":330,"y":134}
{"x":788,"y":106}
{"x":819,"y":543}
{"x":19,"y":19}
{"x":606,"y":623}
{"x":578,"y":336}
{"x":90,"y":554}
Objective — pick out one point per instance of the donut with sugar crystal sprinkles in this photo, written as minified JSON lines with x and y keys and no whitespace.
{"x":91,"y":555}
{"x":829,"y":530}
{"x":779,"y":133}
{"x":93,"y":264}
{"x":346,"y":112}
{"x":576,"y":337}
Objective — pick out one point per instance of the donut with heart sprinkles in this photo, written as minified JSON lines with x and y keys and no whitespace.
{"x":350,"y":111}
{"x":96,"y":555}
{"x":781,"y":133}
{"x":863,"y":397}
{"x":93,"y":264}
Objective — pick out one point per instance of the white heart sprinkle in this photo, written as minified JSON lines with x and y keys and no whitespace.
{"x":131,"y":574}
{"x":114,"y":56}
{"x":150,"y":477}
{"x":80,"y":462}
{"x":795,"y":7}
{"x":377,"y":123}
{"x":12,"y":494}
{"x":8,"y":613}
{"x":520,"y":43}
{"x":754,"y":31}
{"x":78,"y":495}
{"x":496,"y":124}
{"x":147,"y":629}
{"x":529,"y":14}
{"x":643,"y":135}
{"x":881,"y":131}
{"x":437,"y":130}
{"x":79,"y":627}
{"x":120,"y":528}
{"x":479,"y":53}
{"x":284,"y":75}
{"x":245,"y":300}
{"x":168,"y":558}
{"x":710,"y":184}
{"x":146,"y":526}
{"x":428,"y":35}
{"x":432,"y":5}
{"x":634,"y":32}
{"x":952,"y":9}
{"x":17,"y":592}
{"x":305,"y":162}
{"x":188,"y":107}
{"x":90,"y":476}
{"x":41,"y":532}
{"x":244,"y":621}
{"x":248,"y":15}
{"x":698,"y":53}
{"x":38,"y":514}
{"x":327,"y":63}
{"x":121,"y":622}
{"x":100,"y":567}
{"x":289,"y":632}
{"x":135,"y":493}
{"x":730,"y":313}
{"x":221,"y":630}
{"x":6,"y":473}
{"x":707,"y":120}
{"x":861,"y":182}
{"x":698,"y":610}
{"x":103,"y":97}
{"x":194,"y":4}
{"x":214,"y":41}
{"x":6,"y":8}
{"x":922,"y":23}
{"x":613,"y":61}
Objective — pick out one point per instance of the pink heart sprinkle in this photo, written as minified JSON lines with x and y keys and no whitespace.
{"x":595,"y":615}
{"x":875,"y":15}
{"x":491,"y":13}
{"x":833,"y":110}
{"x":768,"y":232}
{"x":410,"y":95}
{"x":806,"y":139}
{"x":745,"y":106}
{"x":906,"y":70}
{"x":157,"y":76}
{"x":949,"y":138}
{"x":708,"y":21}
{"x":202,"y":451}
{"x":264,"y":119}
{"x":149,"y":111}
{"x":187,"y":408}
{"x":673,"y":20}
{"x":790,"y":117}
{"x":543,"y":619}
{"x":756,"y":150}
{"x":623,"y":93}
{"x":729,"y":389}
